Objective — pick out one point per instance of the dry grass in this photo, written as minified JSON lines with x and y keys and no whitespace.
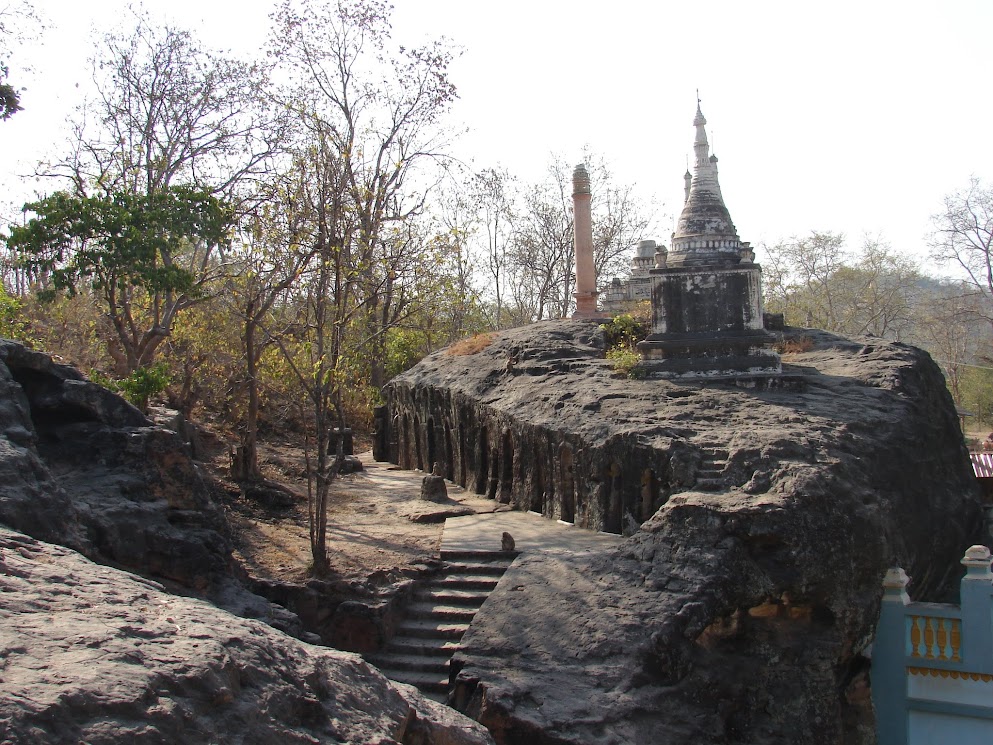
{"x":796,"y":345}
{"x":472,"y":345}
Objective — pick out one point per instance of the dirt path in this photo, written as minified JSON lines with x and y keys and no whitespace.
{"x":371,"y":527}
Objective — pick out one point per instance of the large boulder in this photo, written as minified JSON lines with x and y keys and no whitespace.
{"x":88,"y":470}
{"x":31,"y":499}
{"x":761,"y":521}
{"x":83,"y":468}
{"x":93,"y":654}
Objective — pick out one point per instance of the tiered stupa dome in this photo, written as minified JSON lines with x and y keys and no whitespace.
{"x":705,"y":235}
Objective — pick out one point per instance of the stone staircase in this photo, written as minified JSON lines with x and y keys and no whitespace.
{"x":710,"y":475}
{"x":437,"y":617}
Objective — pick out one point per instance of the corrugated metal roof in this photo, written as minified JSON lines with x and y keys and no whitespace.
{"x":982,"y":464}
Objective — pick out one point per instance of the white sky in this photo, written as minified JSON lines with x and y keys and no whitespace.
{"x":855,"y":117}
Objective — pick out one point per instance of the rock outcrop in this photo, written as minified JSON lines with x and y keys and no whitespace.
{"x":93,"y":654}
{"x":92,"y":472}
{"x":761,"y":523}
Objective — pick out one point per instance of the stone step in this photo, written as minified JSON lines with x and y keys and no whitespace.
{"x":416,"y":663}
{"x":492,"y":571}
{"x":715,"y":453}
{"x":710,"y":485}
{"x":425,"y":682}
{"x":451,"y":597}
{"x":410,"y":645}
{"x":465,"y":582}
{"x":479,"y":557}
{"x":440,"y":613}
{"x":711,"y":470}
{"x":432,"y":629}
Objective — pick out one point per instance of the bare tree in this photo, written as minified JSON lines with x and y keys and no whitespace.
{"x":543,"y":254}
{"x":881,"y":293}
{"x":272,"y":256}
{"x":371,"y":121}
{"x":324,"y":302}
{"x":620,"y":219}
{"x":383,"y":109}
{"x":798,"y":275}
{"x":452,"y":242}
{"x":168,"y":116}
{"x":963,"y":237}
{"x":817,"y":281}
{"x":951,"y":324}
{"x":542,"y":270}
{"x":167,"y":110}
{"x":492,"y":191}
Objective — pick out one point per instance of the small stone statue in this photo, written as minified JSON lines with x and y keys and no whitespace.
{"x":507,"y":542}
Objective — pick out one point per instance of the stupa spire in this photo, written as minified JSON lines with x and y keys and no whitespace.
{"x":701,"y":148}
{"x":704,"y":234}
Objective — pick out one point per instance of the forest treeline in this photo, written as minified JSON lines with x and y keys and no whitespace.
{"x":821,"y":281}
{"x":271,"y":240}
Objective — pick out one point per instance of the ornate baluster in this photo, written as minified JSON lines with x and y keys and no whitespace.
{"x":915,"y":636}
{"x":943,"y":624}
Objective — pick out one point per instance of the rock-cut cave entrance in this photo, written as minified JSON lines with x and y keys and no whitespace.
{"x":567,"y":505}
{"x":537,"y":501}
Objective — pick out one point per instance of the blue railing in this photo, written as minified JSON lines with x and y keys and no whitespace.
{"x":932,"y":663}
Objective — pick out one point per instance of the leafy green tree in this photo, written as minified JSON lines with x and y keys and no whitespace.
{"x":147,"y":257}
{"x":139,"y":386}
{"x":12,"y":322}
{"x":976,"y":389}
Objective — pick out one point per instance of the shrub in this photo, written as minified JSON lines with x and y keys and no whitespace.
{"x":624,"y":330}
{"x":139,"y":386}
{"x":626,"y":361}
{"x":13,"y":324}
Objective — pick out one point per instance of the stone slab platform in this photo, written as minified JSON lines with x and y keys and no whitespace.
{"x":531,"y":532}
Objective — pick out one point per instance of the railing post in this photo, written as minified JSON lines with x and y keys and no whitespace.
{"x":889,"y":674}
{"x":977,"y":623}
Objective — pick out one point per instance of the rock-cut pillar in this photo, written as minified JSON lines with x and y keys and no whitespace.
{"x":583,"y":242}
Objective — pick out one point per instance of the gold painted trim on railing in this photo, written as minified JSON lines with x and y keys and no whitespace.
{"x":953,"y":674}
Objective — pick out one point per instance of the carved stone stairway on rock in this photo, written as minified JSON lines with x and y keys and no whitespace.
{"x":438,"y":616}
{"x":710,"y":475}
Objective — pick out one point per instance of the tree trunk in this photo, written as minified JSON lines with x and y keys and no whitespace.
{"x":245,"y":464}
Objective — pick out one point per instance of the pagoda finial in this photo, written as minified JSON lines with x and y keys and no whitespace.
{"x":699,"y":120}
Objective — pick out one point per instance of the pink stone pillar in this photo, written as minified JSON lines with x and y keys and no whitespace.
{"x":582,"y":217}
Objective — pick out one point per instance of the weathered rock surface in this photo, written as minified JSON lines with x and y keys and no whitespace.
{"x":762,"y":520}
{"x":85,"y":469}
{"x":92,"y":654}
{"x":91,"y":471}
